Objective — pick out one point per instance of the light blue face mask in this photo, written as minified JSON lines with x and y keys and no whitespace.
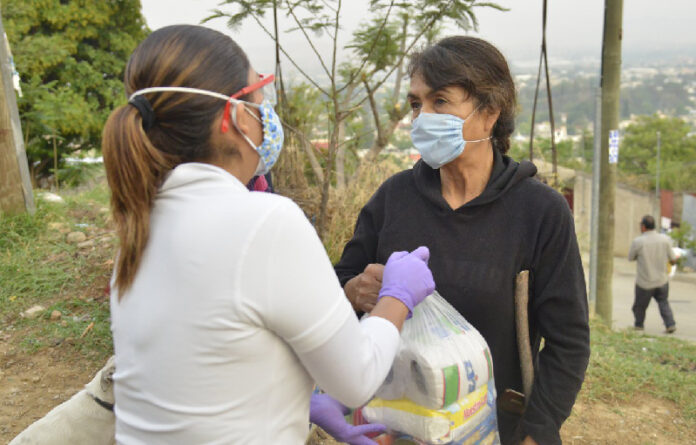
{"x":438,"y":137}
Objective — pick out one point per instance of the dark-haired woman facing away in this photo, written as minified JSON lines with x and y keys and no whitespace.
{"x":484,"y":219}
{"x":224,"y":308}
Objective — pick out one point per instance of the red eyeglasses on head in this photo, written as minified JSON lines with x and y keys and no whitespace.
{"x":266,"y":84}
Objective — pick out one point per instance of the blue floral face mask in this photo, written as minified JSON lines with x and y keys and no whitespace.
{"x":273,"y":136}
{"x":438,"y":137}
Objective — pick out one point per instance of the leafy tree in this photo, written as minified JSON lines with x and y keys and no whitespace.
{"x":71,"y":55}
{"x":638,"y":153}
{"x":377,"y":53}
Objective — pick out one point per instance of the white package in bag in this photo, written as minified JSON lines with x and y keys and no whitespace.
{"x":442,"y":357}
{"x":443,"y":368}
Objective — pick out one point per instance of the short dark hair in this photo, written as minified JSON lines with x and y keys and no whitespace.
{"x":479,"y":68}
{"x":648,"y":222}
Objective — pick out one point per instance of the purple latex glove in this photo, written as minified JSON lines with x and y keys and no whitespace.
{"x":329,"y":414}
{"x":408,"y":278}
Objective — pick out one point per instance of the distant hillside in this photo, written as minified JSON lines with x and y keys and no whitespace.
{"x":669,"y":90}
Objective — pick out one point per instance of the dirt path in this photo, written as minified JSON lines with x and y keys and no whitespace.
{"x":643,"y":421}
{"x":32,"y":384}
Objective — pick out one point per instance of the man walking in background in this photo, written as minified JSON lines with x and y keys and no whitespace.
{"x":653,"y":251}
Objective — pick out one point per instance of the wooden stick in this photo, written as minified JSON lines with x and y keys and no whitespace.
{"x":87,"y":329}
{"x":522,"y":326}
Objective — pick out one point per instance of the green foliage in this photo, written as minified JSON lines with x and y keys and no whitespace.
{"x":638,"y":153}
{"x":304,"y":107}
{"x":380,"y":52}
{"x":70,"y":55}
{"x":684,"y":236}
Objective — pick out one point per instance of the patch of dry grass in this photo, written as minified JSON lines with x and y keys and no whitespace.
{"x":290,"y":179}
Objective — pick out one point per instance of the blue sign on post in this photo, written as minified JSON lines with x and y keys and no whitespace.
{"x":613,"y":146}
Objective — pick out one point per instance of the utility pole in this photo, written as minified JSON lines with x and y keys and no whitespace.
{"x":15,"y":183}
{"x":610,"y":84}
{"x":658,"y":198}
{"x":594,"y":222}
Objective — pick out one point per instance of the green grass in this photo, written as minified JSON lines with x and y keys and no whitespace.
{"x":624,"y":364}
{"x":39,"y":266}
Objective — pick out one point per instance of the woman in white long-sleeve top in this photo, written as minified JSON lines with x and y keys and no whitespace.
{"x":225,"y":307}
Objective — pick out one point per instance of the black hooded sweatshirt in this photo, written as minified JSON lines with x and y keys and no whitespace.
{"x":476,"y":251}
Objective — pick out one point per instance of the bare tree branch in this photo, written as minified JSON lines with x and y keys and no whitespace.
{"x":334,"y":133}
{"x":328,"y":6}
{"x":375,"y":111}
{"x":316,"y":85}
{"x":348,"y":141}
{"x":291,"y":10}
{"x":394,"y":120}
{"x":335,"y":44}
{"x":400,"y":71}
{"x":307,"y":146}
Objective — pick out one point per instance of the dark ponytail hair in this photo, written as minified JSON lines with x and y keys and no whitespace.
{"x":137,"y":160}
{"x":479,"y":68}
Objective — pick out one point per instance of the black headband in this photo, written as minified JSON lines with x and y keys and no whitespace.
{"x":146,"y":112}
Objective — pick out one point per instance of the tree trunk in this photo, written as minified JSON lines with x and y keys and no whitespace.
{"x":341,"y":149}
{"x":326,"y":186}
{"x":313,"y":161}
{"x":341,"y":157}
{"x":400,"y":69}
{"x":15,"y":184}
{"x":386,"y":133}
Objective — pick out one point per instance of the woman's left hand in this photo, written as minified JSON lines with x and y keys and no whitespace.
{"x":329,"y":414}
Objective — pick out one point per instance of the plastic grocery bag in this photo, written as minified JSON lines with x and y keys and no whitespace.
{"x":440,"y":388}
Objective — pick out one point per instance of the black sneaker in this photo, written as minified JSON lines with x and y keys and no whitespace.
{"x":670,"y":329}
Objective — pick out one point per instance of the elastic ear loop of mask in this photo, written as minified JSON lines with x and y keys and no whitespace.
{"x":234,"y":118}
{"x":226,"y":116}
{"x":467,"y":118}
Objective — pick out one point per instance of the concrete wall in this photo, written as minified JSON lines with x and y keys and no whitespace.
{"x":689,"y":209}
{"x":630,"y":206}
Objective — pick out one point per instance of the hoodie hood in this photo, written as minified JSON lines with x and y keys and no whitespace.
{"x":506,"y":174}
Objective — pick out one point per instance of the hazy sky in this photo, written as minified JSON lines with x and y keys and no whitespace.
{"x":574,"y":27}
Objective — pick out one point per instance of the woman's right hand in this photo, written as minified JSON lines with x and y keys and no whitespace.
{"x":363,"y":289}
{"x":408,"y":278}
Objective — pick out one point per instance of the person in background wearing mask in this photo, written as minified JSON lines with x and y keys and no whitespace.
{"x":484,"y":218}
{"x":225,"y":309}
{"x":653,"y":251}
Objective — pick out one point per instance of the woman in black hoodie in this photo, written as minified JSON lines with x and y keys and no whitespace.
{"x":484,"y":218}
